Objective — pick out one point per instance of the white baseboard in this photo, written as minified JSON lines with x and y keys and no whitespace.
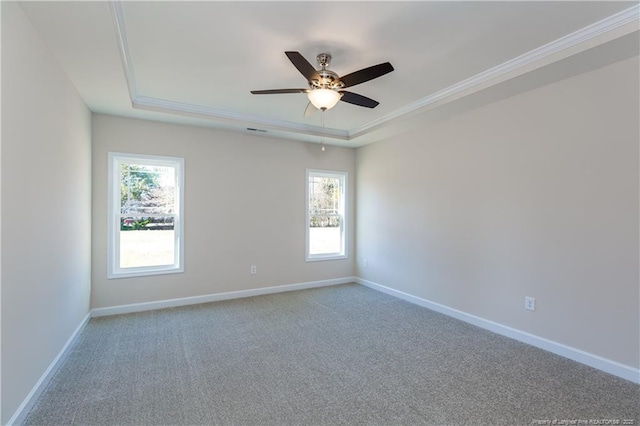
{"x":184,"y":301}
{"x":608,"y":366}
{"x":21,"y":413}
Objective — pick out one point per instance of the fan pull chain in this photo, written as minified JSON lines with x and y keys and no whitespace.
{"x":322,"y":137}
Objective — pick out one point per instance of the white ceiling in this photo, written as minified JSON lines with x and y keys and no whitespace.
{"x":195,"y":62}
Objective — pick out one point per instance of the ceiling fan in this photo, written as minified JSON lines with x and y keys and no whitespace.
{"x":325,"y":86}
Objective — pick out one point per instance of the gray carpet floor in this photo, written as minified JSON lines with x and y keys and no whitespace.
{"x":341,"y":355}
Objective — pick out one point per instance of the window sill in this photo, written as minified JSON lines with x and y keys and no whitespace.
{"x":328,"y":257}
{"x":143,"y":272}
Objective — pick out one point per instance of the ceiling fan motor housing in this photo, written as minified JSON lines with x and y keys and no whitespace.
{"x":329,"y":79}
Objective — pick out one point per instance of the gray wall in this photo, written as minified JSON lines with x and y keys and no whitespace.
{"x":231,"y":180}
{"x":535,"y":195}
{"x":46,"y":201}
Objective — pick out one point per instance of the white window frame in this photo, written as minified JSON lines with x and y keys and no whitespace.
{"x":344,"y":181}
{"x":114,"y":215}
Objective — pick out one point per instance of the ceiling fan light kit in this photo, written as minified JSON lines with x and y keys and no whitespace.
{"x":324,"y":99}
{"x":325,"y":86}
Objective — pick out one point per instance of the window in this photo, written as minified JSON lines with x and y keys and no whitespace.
{"x":326,"y":218}
{"x":145,"y":215}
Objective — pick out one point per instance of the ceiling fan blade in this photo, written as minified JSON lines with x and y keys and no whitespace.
{"x":354,"y":98}
{"x":366,"y":74}
{"x":278,"y":91}
{"x":310,"y":110}
{"x":303,"y":66}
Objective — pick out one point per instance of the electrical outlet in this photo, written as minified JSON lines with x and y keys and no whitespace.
{"x":530,"y":303}
{"x":365,"y":263}
{"x":254,"y":269}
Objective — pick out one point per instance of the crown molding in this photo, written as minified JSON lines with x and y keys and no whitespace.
{"x":123,"y":45}
{"x":607,"y":29}
{"x":198,"y":111}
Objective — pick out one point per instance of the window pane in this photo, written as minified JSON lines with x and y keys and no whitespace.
{"x":324,"y":195}
{"x":325,"y":235}
{"x":146,"y":241}
{"x":147,"y":189}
